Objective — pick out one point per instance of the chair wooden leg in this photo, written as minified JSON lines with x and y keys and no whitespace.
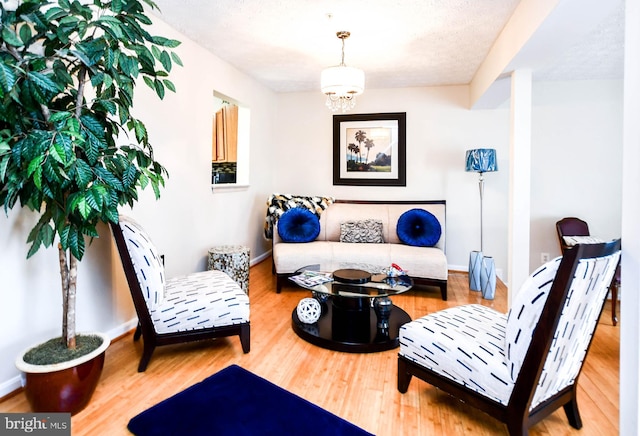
{"x":404,"y":378}
{"x":573,"y":414}
{"x":138,"y":332}
{"x":245,"y":338}
{"x":443,"y":291}
{"x":517,"y":428}
{"x":614,"y":303}
{"x":146,"y":357}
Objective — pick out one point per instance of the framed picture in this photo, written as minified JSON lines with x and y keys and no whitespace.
{"x":370,"y":149}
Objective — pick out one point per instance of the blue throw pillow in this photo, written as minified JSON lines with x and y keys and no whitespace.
{"x":298,"y":225}
{"x":419,"y":228}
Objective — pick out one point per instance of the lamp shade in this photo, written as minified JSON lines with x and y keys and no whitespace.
{"x":342,"y":81}
{"x":481,"y":160}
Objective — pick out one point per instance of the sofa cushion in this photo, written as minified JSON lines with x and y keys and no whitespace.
{"x":298,"y":225}
{"x":363,"y":231}
{"x":418,"y":227}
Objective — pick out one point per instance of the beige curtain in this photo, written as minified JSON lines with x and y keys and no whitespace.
{"x":225,"y":134}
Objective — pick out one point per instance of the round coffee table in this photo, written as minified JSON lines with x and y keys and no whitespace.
{"x":357,"y":314}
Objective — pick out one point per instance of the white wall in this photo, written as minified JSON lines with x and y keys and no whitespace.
{"x":440,"y":129}
{"x":576,"y":160}
{"x":187,"y":220}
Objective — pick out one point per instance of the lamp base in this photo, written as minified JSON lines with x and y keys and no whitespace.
{"x":488,"y":278}
{"x":475,"y":265}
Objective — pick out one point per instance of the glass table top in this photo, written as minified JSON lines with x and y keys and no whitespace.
{"x":351,"y":281}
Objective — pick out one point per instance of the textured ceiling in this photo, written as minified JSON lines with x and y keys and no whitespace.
{"x":284,"y":44}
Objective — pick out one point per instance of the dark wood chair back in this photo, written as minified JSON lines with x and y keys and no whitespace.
{"x":570,"y":226}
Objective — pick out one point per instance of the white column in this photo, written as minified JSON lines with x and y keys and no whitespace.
{"x":630,"y":280}
{"x":519,"y":180}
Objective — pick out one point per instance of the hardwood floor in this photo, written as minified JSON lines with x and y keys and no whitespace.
{"x":358,"y":387}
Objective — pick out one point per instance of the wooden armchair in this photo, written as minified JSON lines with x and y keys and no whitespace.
{"x":520,"y":367}
{"x":572,"y":230}
{"x":194,"y":307}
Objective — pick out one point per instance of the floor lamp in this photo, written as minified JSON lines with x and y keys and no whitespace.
{"x":481,"y":268}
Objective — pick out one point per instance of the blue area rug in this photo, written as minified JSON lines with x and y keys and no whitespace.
{"x":237,"y":402}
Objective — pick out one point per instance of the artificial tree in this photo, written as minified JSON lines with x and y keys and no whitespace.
{"x":70,"y":149}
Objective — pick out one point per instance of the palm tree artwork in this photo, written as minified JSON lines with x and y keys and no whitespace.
{"x":364,"y":138}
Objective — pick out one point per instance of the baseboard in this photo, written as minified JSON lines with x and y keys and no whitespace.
{"x":14,"y":384}
{"x":465,"y":268}
{"x":257,"y":260}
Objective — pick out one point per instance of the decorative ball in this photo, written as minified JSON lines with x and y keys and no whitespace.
{"x":309,"y":310}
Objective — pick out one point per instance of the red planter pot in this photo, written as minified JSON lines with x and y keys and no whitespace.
{"x":64,"y":387}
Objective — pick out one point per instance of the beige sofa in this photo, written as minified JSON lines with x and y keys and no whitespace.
{"x":426,"y":265}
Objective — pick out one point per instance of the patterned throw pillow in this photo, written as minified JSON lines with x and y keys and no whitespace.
{"x":419,"y":227}
{"x":367,"y":231}
{"x":298,"y":225}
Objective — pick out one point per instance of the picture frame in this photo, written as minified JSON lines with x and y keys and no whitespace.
{"x":370,"y":149}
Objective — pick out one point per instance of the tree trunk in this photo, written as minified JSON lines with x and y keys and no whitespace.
{"x":68,"y":274}
{"x":71,"y":303}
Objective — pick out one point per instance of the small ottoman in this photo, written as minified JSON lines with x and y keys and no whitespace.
{"x":233,"y":260}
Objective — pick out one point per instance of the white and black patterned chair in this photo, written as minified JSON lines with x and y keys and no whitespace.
{"x":519,"y":367}
{"x":194,"y":307}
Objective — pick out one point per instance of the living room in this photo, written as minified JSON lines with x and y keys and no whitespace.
{"x":572,"y":173}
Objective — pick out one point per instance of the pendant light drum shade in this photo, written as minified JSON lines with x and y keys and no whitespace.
{"x":341,"y":84}
{"x":342,"y":81}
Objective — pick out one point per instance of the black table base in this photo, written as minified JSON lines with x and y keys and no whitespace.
{"x":351,"y":325}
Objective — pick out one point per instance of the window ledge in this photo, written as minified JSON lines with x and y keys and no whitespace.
{"x":228,"y":187}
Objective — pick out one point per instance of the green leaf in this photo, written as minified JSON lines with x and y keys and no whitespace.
{"x":129,"y":176}
{"x":176,"y":59}
{"x":149,"y":82}
{"x":34,"y":165}
{"x":56,"y":151}
{"x":93,"y":125}
{"x":169,"y":84}
{"x":116,"y":6}
{"x":54,"y":13}
{"x":37,"y":177}
{"x":59,"y":116}
{"x":25,"y":33}
{"x":43,"y":82}
{"x":10,"y":37}
{"x":7,"y":77}
{"x":112,"y":25}
{"x":165,"y":60}
{"x":96,"y":197}
{"x":160,"y":40}
{"x":159,"y":88}
{"x":82,"y":57}
{"x":97,"y":79}
{"x":141,"y":131}
{"x":76,"y":244}
{"x":4,"y":161}
{"x":84,"y":208}
{"x":83,"y":173}
{"x":156,"y":52}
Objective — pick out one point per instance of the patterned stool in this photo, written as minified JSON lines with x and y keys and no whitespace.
{"x":233,"y":260}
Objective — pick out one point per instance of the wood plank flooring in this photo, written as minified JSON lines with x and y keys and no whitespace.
{"x":361,"y":388}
